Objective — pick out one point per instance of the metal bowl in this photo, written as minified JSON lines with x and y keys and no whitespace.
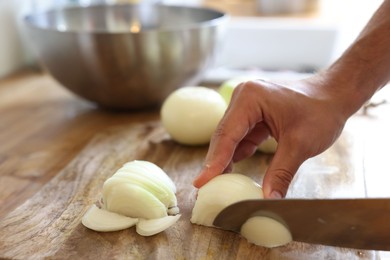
{"x":126,"y":56}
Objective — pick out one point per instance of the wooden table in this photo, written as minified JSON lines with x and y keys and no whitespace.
{"x":56,"y":150}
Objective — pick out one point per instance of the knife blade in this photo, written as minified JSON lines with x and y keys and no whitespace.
{"x":351,"y":223}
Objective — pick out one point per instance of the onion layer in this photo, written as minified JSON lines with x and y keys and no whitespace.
{"x":139,"y":192}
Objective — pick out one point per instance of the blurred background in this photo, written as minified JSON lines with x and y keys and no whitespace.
{"x":263,"y":36}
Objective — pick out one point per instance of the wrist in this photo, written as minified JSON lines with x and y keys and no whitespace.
{"x":363,"y":68}
{"x":343,"y":94}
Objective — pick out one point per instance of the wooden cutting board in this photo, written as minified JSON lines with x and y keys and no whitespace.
{"x":46,"y":224}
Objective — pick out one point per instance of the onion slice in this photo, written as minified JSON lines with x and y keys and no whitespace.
{"x":150,"y":227}
{"x":153,"y":171}
{"x":105,"y":221}
{"x":265,"y":231}
{"x":134,"y":201}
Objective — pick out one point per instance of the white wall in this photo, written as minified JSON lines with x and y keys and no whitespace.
{"x":12,"y":51}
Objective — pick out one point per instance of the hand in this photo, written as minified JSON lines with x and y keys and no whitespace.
{"x":305,"y":117}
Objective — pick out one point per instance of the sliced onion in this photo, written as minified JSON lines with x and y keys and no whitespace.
{"x":265,"y":231}
{"x":102,"y":220}
{"x":162,"y":192}
{"x":153,"y":226}
{"x":173,"y":211}
{"x":153,"y":171}
{"x":134,"y":201}
{"x":138,"y":190}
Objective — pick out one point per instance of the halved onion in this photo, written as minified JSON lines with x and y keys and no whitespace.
{"x":219,"y":193}
{"x":227,"y":189}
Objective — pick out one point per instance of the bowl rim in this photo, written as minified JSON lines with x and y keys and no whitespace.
{"x":222,"y":18}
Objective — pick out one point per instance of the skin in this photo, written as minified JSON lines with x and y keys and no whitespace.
{"x":307,"y":116}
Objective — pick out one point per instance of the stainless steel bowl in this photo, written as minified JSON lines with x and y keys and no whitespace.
{"x":126,"y":56}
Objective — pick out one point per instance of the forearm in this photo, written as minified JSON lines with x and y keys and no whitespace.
{"x":365,"y":65}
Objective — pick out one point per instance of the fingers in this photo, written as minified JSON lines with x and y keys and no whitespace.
{"x":248,"y":146}
{"x":207,"y":173}
{"x":240,"y":118}
{"x":281,"y":171}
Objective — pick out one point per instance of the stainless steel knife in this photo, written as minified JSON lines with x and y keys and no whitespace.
{"x":352,"y":223}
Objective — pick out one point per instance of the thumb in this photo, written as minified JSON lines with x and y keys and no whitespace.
{"x":281,"y":171}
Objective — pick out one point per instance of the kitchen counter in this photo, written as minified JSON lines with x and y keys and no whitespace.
{"x":56,"y":151}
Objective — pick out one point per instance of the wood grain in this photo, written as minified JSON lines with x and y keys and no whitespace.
{"x":42,"y":128}
{"x":48,"y":224}
{"x":56,"y":151}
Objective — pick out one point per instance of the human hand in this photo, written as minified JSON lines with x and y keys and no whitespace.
{"x":305,"y":117}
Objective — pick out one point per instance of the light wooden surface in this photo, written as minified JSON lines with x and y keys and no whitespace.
{"x":56,"y":151}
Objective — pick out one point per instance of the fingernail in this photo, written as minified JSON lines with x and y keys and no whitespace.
{"x":198,"y":178}
{"x":275,"y":195}
{"x":195,"y":182}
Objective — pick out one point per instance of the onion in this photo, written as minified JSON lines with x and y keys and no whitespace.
{"x":268,"y":146}
{"x":151,"y":170}
{"x":265,"y":231}
{"x":138,"y":193}
{"x":191,"y":114}
{"x":102,"y":220}
{"x":134,"y":201}
{"x":227,"y":87}
{"x":154,"y":226}
{"x":149,"y":178}
{"x":219,"y":193}
{"x":227,"y":189}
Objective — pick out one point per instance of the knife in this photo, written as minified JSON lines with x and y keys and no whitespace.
{"x":351,"y":223}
